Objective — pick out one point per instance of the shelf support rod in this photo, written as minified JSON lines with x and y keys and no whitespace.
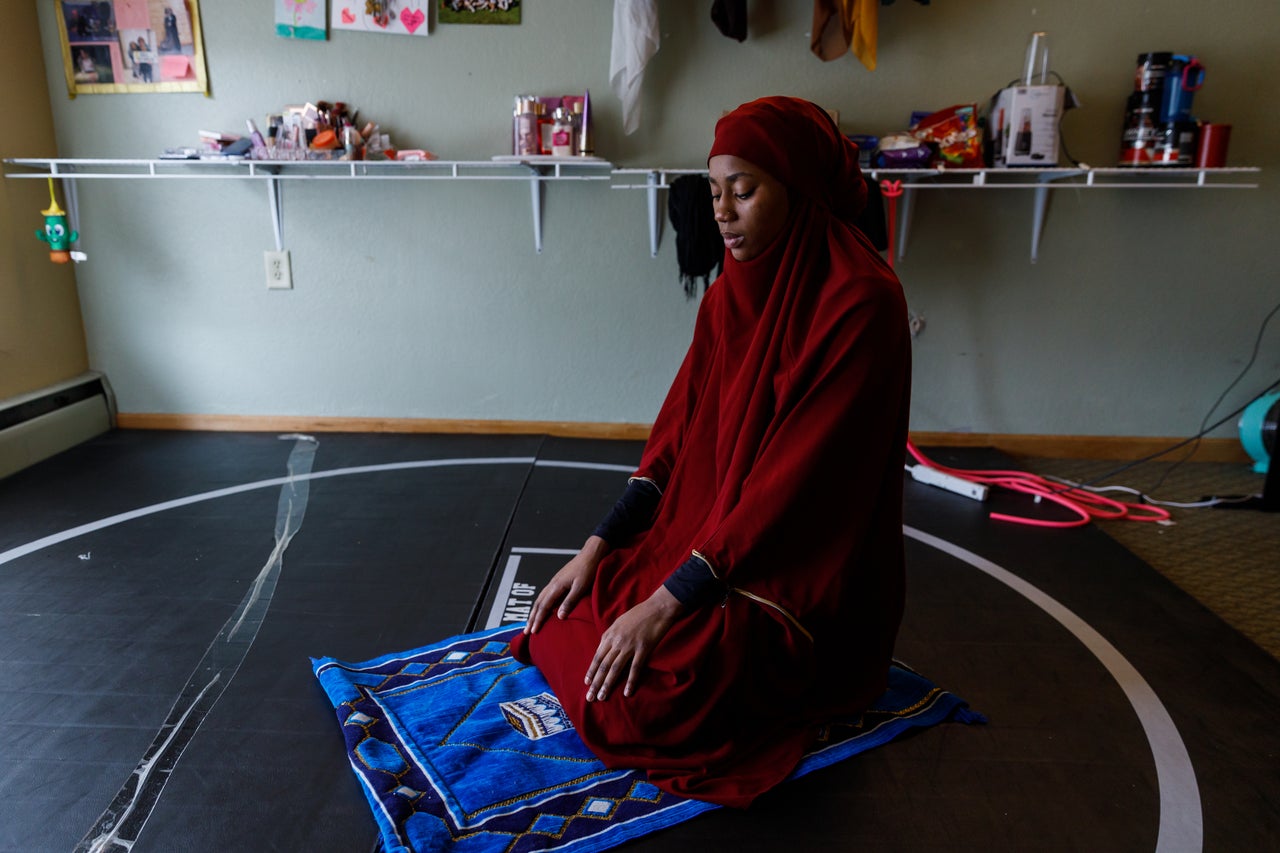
{"x":71,"y":193}
{"x":536,"y":195}
{"x":277,"y":212}
{"x":655,"y":222}
{"x":904,"y":219}
{"x":1037,"y":223}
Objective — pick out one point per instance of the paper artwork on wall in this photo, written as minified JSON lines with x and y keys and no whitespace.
{"x":301,"y":19}
{"x":399,"y":17}
{"x":479,"y":11}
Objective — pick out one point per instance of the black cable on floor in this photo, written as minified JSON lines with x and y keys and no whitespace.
{"x":473,"y":621}
{"x":1257,"y":344}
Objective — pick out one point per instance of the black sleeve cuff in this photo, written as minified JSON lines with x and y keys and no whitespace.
{"x":694,"y":585}
{"x":631,"y":514}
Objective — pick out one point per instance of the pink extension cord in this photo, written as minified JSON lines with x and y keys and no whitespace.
{"x":1084,"y":504}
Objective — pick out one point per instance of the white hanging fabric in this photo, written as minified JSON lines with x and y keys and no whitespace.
{"x":635,"y":40}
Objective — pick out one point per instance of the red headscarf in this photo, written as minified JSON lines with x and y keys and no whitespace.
{"x":779,"y":452}
{"x":769,"y":133}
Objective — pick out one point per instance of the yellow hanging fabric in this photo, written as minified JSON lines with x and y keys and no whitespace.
{"x":843,"y":25}
{"x":866,"y":23}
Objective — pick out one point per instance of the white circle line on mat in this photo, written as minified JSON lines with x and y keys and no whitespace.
{"x":140,"y":512}
{"x":1181,"y":828}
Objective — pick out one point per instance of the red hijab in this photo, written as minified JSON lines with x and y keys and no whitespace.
{"x":779,"y":451}
{"x":771,"y":133}
{"x":781,"y":440}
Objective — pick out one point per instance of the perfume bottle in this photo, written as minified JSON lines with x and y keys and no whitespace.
{"x":527,"y":127}
{"x":562,"y":133}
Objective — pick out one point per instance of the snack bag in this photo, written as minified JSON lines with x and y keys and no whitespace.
{"x":903,"y":151}
{"x":955,"y":133}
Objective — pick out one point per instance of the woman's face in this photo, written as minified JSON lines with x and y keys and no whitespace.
{"x":750,"y":205}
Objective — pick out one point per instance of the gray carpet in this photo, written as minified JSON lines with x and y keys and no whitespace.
{"x":1229,"y":560}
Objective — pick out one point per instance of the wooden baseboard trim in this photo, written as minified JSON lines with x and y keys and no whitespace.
{"x":1087,"y":446}
{"x":1040,"y":446}
{"x":286,"y":423}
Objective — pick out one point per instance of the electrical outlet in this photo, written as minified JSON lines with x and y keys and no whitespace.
{"x":279,"y":275}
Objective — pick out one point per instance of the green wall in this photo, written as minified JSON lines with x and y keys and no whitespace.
{"x":426,"y":300}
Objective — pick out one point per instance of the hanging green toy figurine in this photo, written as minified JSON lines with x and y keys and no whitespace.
{"x":57,"y":233}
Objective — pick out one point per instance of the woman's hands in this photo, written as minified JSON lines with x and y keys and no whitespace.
{"x":625,"y":647}
{"x":569,"y":584}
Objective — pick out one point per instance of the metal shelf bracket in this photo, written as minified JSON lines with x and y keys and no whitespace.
{"x":277,"y":212}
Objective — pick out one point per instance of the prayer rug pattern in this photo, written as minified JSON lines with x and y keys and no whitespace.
{"x":460,"y":747}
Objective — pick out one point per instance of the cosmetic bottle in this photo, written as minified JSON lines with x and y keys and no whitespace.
{"x":575,"y":115}
{"x":586,"y":139}
{"x":527,"y":127}
{"x":562,"y":141}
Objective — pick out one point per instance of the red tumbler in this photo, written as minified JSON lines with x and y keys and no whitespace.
{"x":1211,"y":151}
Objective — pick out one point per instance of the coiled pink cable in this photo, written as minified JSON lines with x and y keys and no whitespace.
{"x":1084,"y":504}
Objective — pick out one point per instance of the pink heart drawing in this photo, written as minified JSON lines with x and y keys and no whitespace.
{"x":347,"y":17}
{"x":412,"y":19}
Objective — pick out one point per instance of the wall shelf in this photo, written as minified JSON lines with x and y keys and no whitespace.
{"x":538,"y":171}
{"x":1040,"y":180}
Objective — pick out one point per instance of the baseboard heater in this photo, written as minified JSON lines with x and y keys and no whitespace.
{"x":38,"y":425}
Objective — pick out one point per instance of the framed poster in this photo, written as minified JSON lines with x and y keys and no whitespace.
{"x":131,"y":46}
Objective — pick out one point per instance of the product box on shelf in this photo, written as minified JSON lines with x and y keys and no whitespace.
{"x":1024,"y":126}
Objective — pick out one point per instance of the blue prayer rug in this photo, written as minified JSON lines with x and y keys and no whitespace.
{"x":460,"y":747}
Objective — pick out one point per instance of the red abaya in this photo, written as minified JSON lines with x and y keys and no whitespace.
{"x":779,"y":452}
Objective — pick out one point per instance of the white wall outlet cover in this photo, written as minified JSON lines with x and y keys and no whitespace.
{"x":279,"y":273}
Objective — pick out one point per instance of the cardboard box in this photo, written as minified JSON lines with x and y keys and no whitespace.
{"x":1024,"y":126}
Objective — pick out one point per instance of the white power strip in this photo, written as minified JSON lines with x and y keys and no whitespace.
{"x":950,"y":482}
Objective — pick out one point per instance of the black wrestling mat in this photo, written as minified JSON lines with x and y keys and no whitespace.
{"x":160,"y":594}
